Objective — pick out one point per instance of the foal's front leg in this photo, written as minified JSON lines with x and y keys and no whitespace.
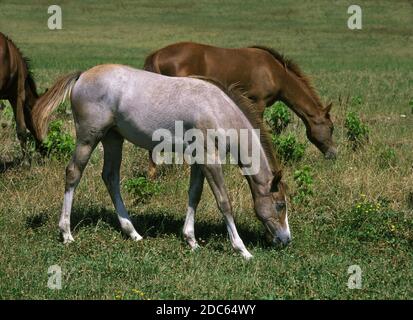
{"x":196,"y":185}
{"x":112,"y":146}
{"x":215,"y":178}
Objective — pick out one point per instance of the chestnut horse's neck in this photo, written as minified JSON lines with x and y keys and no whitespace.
{"x":29,"y":95}
{"x":31,"y":90}
{"x":295,"y":88}
{"x":298,"y":94}
{"x":30,"y":100}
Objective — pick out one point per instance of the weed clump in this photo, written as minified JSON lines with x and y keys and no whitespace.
{"x":278,"y":117}
{"x":142,"y":188}
{"x":387,"y":158}
{"x":304,"y":180}
{"x":288,"y":148}
{"x":58,"y":143}
{"x":357,"y":131}
{"x":374,"y":221}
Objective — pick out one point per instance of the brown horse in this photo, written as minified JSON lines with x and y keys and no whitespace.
{"x":18,"y":87}
{"x":263,"y":73}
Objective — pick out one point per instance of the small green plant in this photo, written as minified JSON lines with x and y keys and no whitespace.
{"x":133,"y":294}
{"x":357,"y":131}
{"x":142,"y":188}
{"x":288,"y":147}
{"x":356,"y":101}
{"x":411,"y":106}
{"x":278,"y":117}
{"x":64,"y":108}
{"x":304,"y":180}
{"x":7,"y":114}
{"x":387,"y":158}
{"x":58,"y":143}
{"x":375,"y":221}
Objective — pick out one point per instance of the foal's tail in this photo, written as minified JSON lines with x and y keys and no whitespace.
{"x":48,"y":102}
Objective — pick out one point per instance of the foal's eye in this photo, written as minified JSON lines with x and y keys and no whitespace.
{"x":280,"y":206}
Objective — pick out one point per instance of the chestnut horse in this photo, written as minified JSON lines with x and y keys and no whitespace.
{"x":18,"y":87}
{"x":263,"y":73}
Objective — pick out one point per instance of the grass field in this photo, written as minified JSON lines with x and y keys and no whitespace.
{"x":369,"y":71}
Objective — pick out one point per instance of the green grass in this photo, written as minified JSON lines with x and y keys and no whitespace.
{"x":368,"y":71}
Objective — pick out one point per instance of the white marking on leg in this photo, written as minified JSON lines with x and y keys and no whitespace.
{"x":124,"y":219}
{"x":64,"y":223}
{"x":189,"y":228}
{"x":235,"y":239}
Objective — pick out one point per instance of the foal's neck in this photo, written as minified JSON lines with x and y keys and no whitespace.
{"x":260,"y":182}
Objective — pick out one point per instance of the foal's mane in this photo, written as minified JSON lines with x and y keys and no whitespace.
{"x":26,"y":63}
{"x":238,"y":96}
{"x":294,"y":68}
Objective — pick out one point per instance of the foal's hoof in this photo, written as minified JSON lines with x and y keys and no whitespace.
{"x":195,"y":246}
{"x":67,"y":239}
{"x":247,"y":256}
{"x":136,"y":236}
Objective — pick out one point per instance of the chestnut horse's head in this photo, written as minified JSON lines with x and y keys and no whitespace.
{"x":320,"y":132}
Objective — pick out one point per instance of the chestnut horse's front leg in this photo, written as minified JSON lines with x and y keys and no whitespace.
{"x":21,"y":130}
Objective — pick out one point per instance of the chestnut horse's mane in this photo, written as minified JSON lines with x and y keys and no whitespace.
{"x":26,"y":63}
{"x":235,"y":93}
{"x":294,"y":68}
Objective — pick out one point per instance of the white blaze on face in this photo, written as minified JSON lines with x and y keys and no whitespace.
{"x":284,"y":234}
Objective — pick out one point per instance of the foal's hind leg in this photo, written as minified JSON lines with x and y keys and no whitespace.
{"x":112,"y":146}
{"x":74,"y":172}
{"x":195,"y":191}
{"x":215,"y":178}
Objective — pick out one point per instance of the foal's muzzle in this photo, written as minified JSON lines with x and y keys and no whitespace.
{"x":331,"y":154}
{"x":275,"y":236}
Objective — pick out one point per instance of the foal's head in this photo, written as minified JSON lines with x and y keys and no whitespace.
{"x":271,"y":209}
{"x":320,"y":132}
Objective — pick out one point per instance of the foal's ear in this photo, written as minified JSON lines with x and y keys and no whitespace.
{"x":274,"y":183}
{"x":328,"y":108}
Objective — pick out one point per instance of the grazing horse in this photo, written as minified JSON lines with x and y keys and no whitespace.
{"x":17,"y":86}
{"x":111,"y":103}
{"x":263,"y":73}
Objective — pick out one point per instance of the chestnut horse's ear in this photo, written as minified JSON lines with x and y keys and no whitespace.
{"x":328,"y":108}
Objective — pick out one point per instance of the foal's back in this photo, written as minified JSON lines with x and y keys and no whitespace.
{"x":138,"y":102}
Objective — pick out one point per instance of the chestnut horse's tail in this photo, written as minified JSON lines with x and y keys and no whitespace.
{"x":150,"y":64}
{"x":48,"y":102}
